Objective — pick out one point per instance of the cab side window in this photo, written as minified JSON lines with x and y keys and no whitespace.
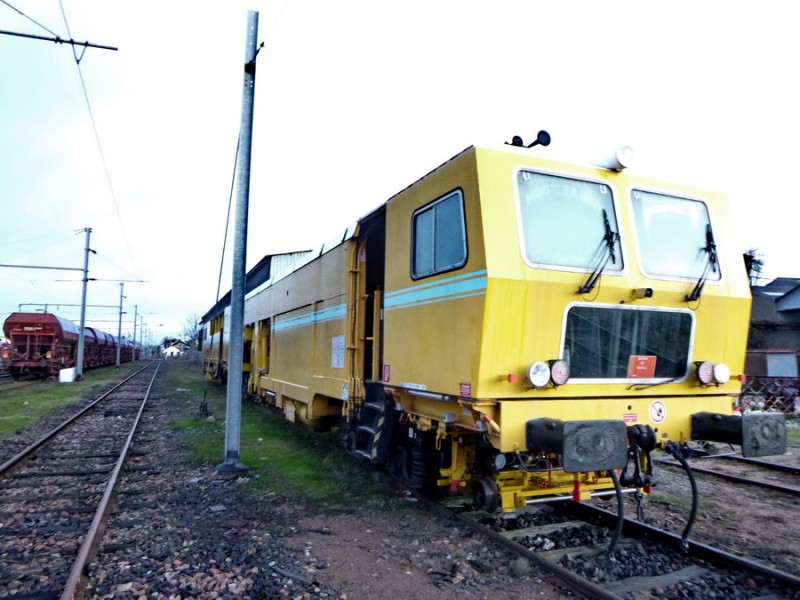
{"x":439,"y":236}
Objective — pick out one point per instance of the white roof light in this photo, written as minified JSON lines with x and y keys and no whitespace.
{"x":621,"y":158}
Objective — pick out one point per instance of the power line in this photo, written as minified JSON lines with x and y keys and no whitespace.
{"x":41,"y":267}
{"x":29,"y":18}
{"x":106,"y":170}
{"x":228,"y":217}
{"x":56,"y":39}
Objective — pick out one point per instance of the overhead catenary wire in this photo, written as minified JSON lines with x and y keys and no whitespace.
{"x":101,"y":151}
{"x":31,"y":19}
{"x":55,"y":39}
{"x":58,"y":40}
{"x":235,"y":156}
{"x":42,"y":24}
{"x":78,"y":55}
{"x":228,"y":217}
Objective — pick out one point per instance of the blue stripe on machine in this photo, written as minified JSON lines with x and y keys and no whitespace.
{"x":332,"y":313}
{"x":452,"y":288}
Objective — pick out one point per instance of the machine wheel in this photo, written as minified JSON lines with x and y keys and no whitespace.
{"x":349,"y":439}
{"x":396,"y":465}
{"x":485,"y":494}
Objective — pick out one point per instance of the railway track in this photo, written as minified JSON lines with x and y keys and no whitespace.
{"x":751,"y":472}
{"x":760,"y":463}
{"x":573,"y":546}
{"x":577,"y":544}
{"x":56,"y":494}
{"x":13,"y":385}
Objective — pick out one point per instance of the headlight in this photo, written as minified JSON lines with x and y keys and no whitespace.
{"x":559,"y":372}
{"x":538,"y":374}
{"x":721,"y":373}
{"x":709,"y":373}
{"x":704,"y":372}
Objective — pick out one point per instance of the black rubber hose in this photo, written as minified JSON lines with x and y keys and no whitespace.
{"x":676,"y":451}
{"x":620,"y":512}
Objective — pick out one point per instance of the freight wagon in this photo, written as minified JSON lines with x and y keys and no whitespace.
{"x":43,"y":343}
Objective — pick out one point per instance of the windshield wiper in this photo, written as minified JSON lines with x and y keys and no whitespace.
{"x":711,"y":265}
{"x":646,"y":386}
{"x":610,"y":238}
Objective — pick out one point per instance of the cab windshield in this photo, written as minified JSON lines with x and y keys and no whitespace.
{"x":674,"y":235}
{"x":567,"y":222}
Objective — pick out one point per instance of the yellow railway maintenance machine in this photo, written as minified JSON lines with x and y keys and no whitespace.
{"x":517,"y":328}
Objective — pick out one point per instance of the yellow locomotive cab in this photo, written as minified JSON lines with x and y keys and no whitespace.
{"x":517,"y":328}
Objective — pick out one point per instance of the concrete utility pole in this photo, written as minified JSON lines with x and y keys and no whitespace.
{"x":236,"y":328}
{"x":81,"y":335}
{"x":141,"y":329}
{"x":135,"y":316}
{"x":119,"y":328}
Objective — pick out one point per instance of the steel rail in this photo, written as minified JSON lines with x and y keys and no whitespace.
{"x":761,"y":463}
{"x":736,"y":478}
{"x":23,"y":454}
{"x":714,"y":555}
{"x":572,"y":580}
{"x":75,"y":586}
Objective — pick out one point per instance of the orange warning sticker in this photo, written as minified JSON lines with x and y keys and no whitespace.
{"x":641,"y":367}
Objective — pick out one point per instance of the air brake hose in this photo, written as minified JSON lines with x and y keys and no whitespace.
{"x":675,"y":450}
{"x":620,"y":512}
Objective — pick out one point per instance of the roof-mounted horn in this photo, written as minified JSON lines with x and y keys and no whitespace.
{"x":542,"y":139}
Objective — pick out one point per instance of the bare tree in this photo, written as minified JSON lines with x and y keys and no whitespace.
{"x":191,"y":329}
{"x":754,"y":263}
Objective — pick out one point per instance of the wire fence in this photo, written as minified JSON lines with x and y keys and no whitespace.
{"x":778,"y":394}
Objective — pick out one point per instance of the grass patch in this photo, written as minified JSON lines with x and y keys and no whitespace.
{"x":25,"y":402}
{"x":793,"y":433}
{"x":679,"y":504}
{"x":282,"y":458}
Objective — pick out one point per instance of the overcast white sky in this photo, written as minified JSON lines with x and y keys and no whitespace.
{"x":356,"y":99}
